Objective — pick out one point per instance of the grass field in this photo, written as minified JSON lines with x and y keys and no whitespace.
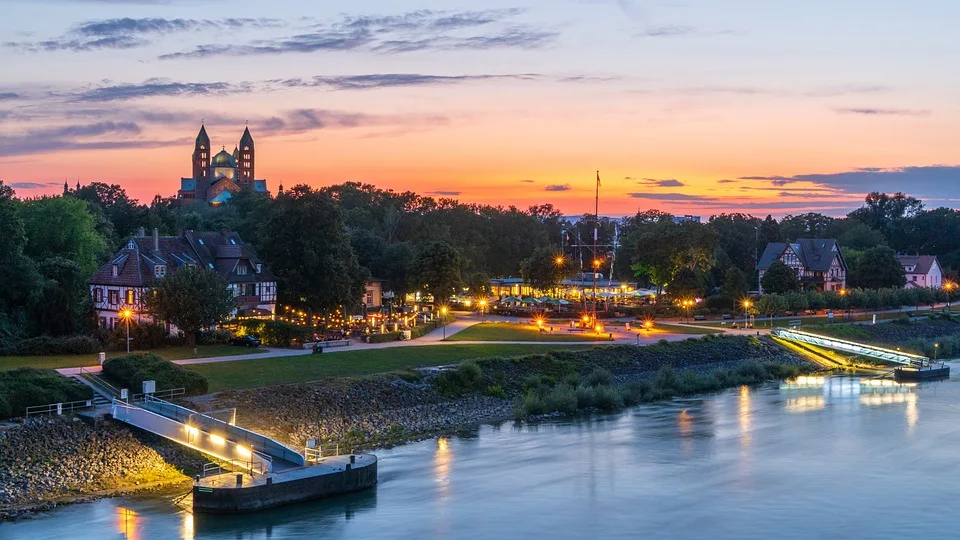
{"x":522,"y":332}
{"x":78,"y":360}
{"x":293,"y":369}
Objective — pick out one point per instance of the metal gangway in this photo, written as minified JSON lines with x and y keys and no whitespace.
{"x":852,"y":347}
{"x":212,"y":436}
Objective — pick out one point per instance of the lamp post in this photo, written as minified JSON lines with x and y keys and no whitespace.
{"x":127,"y":313}
{"x":949,"y":286}
{"x":482,"y":304}
{"x":746,"y":312}
{"x":443,"y":321}
{"x":936,"y":347}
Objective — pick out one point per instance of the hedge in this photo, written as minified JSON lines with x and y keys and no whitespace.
{"x":131,"y":370}
{"x":276,"y":333}
{"x":46,"y":345}
{"x":27,"y":387}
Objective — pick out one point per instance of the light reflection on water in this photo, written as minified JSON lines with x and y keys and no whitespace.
{"x":821,"y":458}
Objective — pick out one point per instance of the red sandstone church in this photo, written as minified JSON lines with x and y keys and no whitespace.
{"x":215,"y":179}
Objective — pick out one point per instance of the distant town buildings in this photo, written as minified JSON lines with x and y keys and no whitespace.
{"x":686,"y":219}
{"x":121,"y":283}
{"x":922,"y":270}
{"x":217,"y":177}
{"x":818,"y":262}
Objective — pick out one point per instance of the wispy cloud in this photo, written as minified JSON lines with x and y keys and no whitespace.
{"x":32,"y":185}
{"x":387,"y":80}
{"x":158,"y":87}
{"x":671,"y":30}
{"x":128,"y":33}
{"x":558,"y":187}
{"x":527,"y":181}
{"x":8,"y":96}
{"x":655,"y":182}
{"x":408,"y":32}
{"x":446,"y":193}
{"x":870,"y":111}
{"x":675,"y":197}
{"x":920,"y":181}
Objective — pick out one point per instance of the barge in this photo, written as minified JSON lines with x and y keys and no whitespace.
{"x":234,"y":493}
{"x":926,"y":372}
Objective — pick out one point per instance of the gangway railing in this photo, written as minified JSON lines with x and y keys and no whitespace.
{"x":57,"y":408}
{"x":837,"y":344}
{"x":99,"y":384}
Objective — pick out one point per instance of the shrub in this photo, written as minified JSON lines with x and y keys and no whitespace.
{"x":608,"y":398}
{"x":142,"y":336}
{"x":26,"y":387}
{"x":46,"y":345}
{"x":466,"y":378}
{"x":131,"y":370}
{"x":411,"y":375}
{"x":562,"y":399}
{"x":496,"y":391}
{"x":275,"y":333}
{"x":598,"y":377}
{"x":215,"y":337}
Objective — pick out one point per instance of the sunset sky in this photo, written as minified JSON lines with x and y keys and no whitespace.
{"x":693,"y":107}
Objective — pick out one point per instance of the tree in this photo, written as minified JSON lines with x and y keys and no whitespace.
{"x":885,"y":213}
{"x":19,"y":279}
{"x":64,"y":227}
{"x":686,"y":284}
{"x":737,"y":237}
{"x":396,"y":265}
{"x":780,"y":278}
{"x":192,"y":298}
{"x":305,"y":243}
{"x":544,"y":270}
{"x":857,"y":235}
{"x":769,"y":304}
{"x":770,"y":231}
{"x":438,"y":271}
{"x":879,"y":268}
{"x":663,"y":247}
{"x":809,"y":225}
{"x":734,"y":284}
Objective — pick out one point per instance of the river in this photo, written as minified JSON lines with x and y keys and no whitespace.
{"x":831,"y":458}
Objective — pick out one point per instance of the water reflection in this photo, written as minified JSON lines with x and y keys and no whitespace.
{"x":743,"y":415}
{"x":441,"y":467}
{"x":128,"y":523}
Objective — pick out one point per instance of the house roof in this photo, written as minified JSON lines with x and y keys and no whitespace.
{"x":220,"y":251}
{"x":918,"y":264}
{"x":816,"y":254}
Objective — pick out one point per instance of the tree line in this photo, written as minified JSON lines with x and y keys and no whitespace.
{"x":323,"y":244}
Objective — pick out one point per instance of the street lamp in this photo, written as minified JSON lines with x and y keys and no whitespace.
{"x":747,"y":304}
{"x":949,"y":286}
{"x":443,"y":321}
{"x":936,"y":346}
{"x":127,"y":313}
{"x":482,"y":304}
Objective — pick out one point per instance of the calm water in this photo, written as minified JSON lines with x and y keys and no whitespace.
{"x":827,"y":461}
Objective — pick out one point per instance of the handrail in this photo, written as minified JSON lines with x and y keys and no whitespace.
{"x":58,"y":408}
{"x":97,"y":380}
{"x":169,"y":393}
{"x":873,"y":351}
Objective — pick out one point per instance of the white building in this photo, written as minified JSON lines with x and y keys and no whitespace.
{"x":121,"y":283}
{"x":922,"y":270}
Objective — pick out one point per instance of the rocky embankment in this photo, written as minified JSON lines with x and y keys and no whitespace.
{"x":48,"y":462}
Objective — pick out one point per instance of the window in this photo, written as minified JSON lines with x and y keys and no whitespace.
{"x":251,"y":289}
{"x":241,"y":269}
{"x":259,"y":268}
{"x":159,"y":270}
{"x":202,"y":147}
{"x":98,"y":295}
{"x":113,"y":297}
{"x":200,"y":240}
{"x":131,"y":297}
{"x":245,"y":148}
{"x":116,"y":270}
{"x":233,"y":241}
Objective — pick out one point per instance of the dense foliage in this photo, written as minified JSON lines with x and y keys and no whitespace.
{"x":191,"y":298}
{"x":27,"y":387}
{"x":131,"y":370}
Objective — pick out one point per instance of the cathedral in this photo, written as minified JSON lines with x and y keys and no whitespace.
{"x":215,"y":179}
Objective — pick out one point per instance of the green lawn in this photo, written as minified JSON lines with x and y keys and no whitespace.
{"x":77,"y":360}
{"x":682,"y":329}
{"x":311,"y":367}
{"x":521,"y":332}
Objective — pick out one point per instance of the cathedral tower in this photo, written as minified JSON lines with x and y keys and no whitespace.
{"x":245,"y":160}
{"x":201,"y":160}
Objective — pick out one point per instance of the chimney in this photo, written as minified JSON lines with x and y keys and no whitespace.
{"x":156,"y":239}
{"x":141,"y":232}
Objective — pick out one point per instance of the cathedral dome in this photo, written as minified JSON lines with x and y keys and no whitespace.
{"x":223,"y":159}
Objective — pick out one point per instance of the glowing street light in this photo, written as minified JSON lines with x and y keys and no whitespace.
{"x":949,"y":286}
{"x":559,"y":260}
{"x":443,"y":321}
{"x":747,"y":304}
{"x":483,"y":305}
{"x":127,"y":314}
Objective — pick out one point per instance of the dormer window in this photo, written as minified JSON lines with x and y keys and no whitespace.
{"x":241,"y":270}
{"x":159,"y":271}
{"x":259,"y":268}
{"x":116,"y":270}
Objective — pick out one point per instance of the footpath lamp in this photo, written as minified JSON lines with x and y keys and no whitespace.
{"x":747,"y":304}
{"x":127,"y":314}
{"x":443,"y":321}
{"x":949,"y":286}
{"x":483,"y":305}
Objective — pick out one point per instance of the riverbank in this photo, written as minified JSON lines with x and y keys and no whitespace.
{"x":51,"y":462}
{"x":383,"y":410}
{"x":48,"y":463}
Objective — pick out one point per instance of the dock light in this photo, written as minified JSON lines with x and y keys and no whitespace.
{"x":243,"y":451}
{"x":217,"y":440}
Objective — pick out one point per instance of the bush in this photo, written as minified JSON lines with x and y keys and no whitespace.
{"x":26,"y":387}
{"x":142,"y":336}
{"x":275,"y":333}
{"x":131,"y":370}
{"x":455,"y":382}
{"x":46,"y":345}
{"x":215,"y":337}
{"x":562,"y":399}
{"x":598,"y":377}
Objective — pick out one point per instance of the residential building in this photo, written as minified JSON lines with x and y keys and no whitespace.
{"x":922,"y":270}
{"x":217,"y":177}
{"x":818,"y":262}
{"x":685,"y":219}
{"x":122,"y":282}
